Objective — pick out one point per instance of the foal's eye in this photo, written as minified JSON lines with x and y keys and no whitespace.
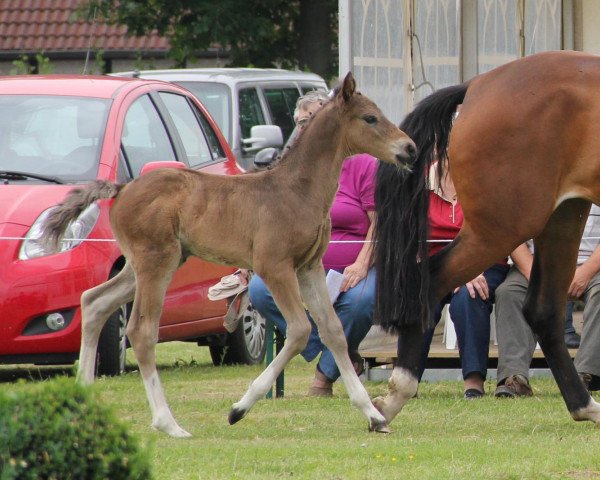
{"x":370,"y":119}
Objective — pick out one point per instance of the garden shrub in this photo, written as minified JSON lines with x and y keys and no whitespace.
{"x":59,"y":430}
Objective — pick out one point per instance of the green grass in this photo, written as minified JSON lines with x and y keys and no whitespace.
{"x":437,"y":436}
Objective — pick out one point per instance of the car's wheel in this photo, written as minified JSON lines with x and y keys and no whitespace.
{"x":112,"y":345}
{"x":246,"y":344}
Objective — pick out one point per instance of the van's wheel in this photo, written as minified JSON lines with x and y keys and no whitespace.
{"x":246,"y":345}
{"x":112,"y":345}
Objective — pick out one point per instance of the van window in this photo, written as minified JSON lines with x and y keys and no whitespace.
{"x":216,"y":99}
{"x":251,"y":113}
{"x":282,"y":102}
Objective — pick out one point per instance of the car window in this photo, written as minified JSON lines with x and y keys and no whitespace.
{"x":145,"y":138}
{"x":216,"y":98}
{"x":191,"y":134}
{"x":52,"y":135}
{"x":251,"y":113}
{"x":282,"y":102}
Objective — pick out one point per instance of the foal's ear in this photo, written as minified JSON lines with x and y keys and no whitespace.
{"x":348,"y":87}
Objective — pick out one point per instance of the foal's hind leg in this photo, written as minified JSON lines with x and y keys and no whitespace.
{"x":314,"y":292}
{"x":153,"y":278}
{"x":97,"y":304}
{"x":554,"y":263}
{"x":284,"y":287}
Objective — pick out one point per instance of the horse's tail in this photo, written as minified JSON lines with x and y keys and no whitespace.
{"x":401,"y":253}
{"x":69,"y":209}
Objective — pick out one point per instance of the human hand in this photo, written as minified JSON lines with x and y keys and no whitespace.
{"x":352,"y":275}
{"x":580,"y":281}
{"x":244,"y":275}
{"x":477,"y":286}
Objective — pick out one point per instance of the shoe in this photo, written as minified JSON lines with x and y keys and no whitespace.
{"x":473,"y":394}
{"x":591,"y":382}
{"x":320,"y":392}
{"x":586,"y":379}
{"x":572,"y":339}
{"x":514,"y":386}
{"x":358,"y":362}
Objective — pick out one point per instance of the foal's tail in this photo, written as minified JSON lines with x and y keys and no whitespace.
{"x":402,"y":201}
{"x":76,"y":202}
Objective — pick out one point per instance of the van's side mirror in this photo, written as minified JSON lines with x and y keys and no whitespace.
{"x":263,"y":136}
{"x":265,"y":157}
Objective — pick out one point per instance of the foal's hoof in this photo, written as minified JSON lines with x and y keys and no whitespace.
{"x":379,"y":427}
{"x":236,"y":414}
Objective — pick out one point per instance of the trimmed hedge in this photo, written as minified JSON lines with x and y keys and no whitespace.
{"x":58,"y":430}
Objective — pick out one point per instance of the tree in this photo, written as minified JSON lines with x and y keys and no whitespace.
{"x":261,"y":33}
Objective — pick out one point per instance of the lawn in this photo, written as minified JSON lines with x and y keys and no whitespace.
{"x":438,"y":435}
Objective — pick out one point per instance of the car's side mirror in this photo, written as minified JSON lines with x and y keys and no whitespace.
{"x":263,"y":136}
{"x":265,"y":157}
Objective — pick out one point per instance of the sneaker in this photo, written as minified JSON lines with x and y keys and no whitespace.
{"x":572,"y":339}
{"x":514,"y":386}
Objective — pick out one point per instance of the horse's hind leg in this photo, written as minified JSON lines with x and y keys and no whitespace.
{"x":314,"y":292}
{"x":97,"y":304}
{"x":284,"y":287}
{"x":153,"y":278}
{"x":554,"y":263}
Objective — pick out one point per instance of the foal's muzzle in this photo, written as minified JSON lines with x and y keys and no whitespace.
{"x":407,"y":153}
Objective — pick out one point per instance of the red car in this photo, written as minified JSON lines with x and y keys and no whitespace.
{"x":58,"y":132}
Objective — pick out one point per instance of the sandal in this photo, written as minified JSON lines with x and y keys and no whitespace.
{"x":473,"y":394}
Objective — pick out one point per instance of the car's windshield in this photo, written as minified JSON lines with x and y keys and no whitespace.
{"x":216,"y":98}
{"x":47,"y":135}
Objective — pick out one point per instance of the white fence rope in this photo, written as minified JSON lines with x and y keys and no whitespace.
{"x":332,"y":241}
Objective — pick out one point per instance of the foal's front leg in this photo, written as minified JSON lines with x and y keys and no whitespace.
{"x":284,"y":287}
{"x":314,"y":292}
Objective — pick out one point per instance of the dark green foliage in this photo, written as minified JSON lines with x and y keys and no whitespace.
{"x":61,"y":431}
{"x":260,"y":33}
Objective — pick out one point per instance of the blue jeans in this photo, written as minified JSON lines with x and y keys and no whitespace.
{"x":471,"y":318}
{"x":354,"y":308}
{"x":569,"y":328}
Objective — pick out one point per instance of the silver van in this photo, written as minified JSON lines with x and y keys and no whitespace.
{"x":253,"y":107}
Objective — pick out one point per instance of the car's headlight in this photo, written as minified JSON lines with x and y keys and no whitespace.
{"x":75,"y":233}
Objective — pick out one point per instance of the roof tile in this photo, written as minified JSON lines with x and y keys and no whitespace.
{"x":47,"y":25}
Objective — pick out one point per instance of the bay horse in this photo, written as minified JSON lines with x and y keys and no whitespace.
{"x":275,"y":222}
{"x":524,"y":153}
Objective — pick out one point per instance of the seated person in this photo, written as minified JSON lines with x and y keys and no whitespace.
{"x":516,"y":342}
{"x":352,"y":217}
{"x":471,"y":304}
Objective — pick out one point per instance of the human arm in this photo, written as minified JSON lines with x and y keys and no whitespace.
{"x":355,"y":272}
{"x":584,"y":273}
{"x":523,"y":260}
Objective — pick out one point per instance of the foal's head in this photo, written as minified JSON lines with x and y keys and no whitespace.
{"x":367,"y":130}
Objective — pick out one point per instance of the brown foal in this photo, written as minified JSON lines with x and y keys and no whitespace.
{"x":275,"y":222}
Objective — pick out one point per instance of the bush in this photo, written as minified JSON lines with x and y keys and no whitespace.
{"x":58,"y":430}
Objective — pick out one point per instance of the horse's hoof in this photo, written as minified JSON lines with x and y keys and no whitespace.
{"x":379,"y":427}
{"x":236,"y":414}
{"x":174,"y":431}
